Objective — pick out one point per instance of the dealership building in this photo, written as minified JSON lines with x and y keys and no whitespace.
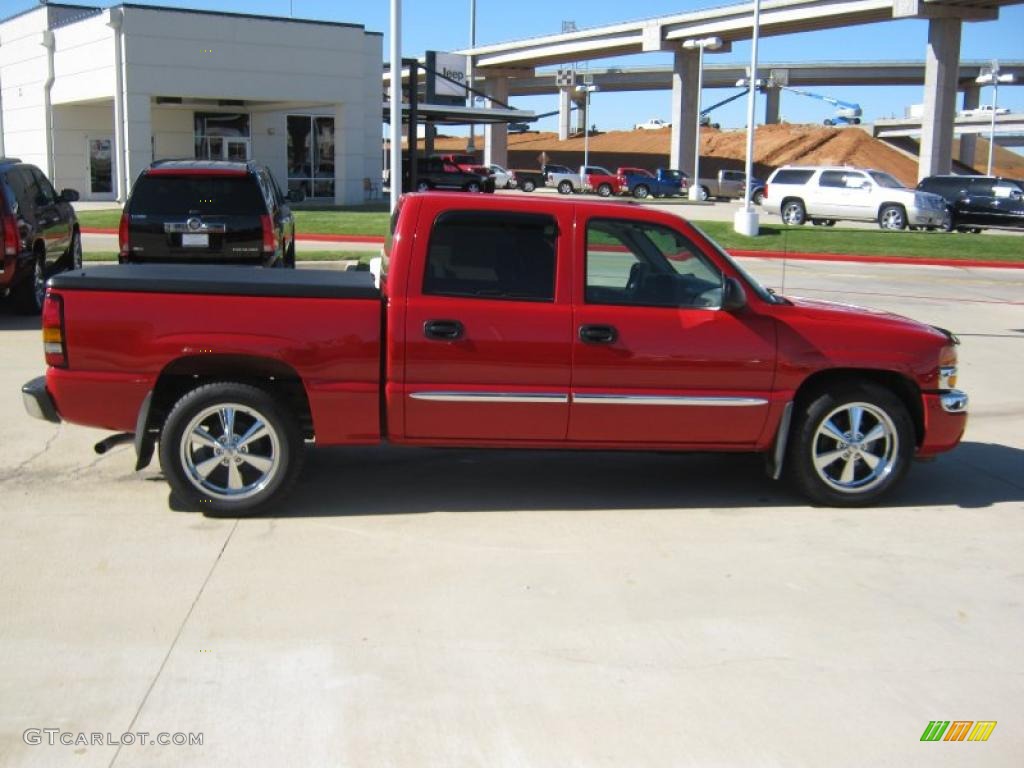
{"x":94,"y":95}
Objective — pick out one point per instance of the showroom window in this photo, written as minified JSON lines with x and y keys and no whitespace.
{"x":311,"y":155}
{"x":222,"y":136}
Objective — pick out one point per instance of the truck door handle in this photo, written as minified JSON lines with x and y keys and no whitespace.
{"x":445,"y":330}
{"x":598,"y":334}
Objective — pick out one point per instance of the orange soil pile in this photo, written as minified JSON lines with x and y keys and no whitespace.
{"x":774,"y":145}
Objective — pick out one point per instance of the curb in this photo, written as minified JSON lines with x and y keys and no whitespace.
{"x":738,"y":252}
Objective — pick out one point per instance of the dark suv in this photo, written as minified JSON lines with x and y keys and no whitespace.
{"x":208,"y":212}
{"x":437,"y":173}
{"x":977,"y":202}
{"x":39,"y":232}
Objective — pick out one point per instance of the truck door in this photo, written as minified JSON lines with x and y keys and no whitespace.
{"x":655,"y":359}
{"x":488,"y":327}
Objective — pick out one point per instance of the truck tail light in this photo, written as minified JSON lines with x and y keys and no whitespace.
{"x":10,"y":228}
{"x":765,"y":191}
{"x":123,"y":240}
{"x":269,"y":235}
{"x":54,"y":346}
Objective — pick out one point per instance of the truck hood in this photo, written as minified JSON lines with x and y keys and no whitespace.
{"x":847,"y":314}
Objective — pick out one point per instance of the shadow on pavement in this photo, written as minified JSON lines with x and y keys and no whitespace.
{"x":388,"y":480}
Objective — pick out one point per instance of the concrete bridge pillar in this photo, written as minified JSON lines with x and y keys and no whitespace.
{"x":941,"y":69}
{"x":496,"y":134}
{"x":771,"y":107}
{"x":969,"y":141}
{"x":564,"y":113}
{"x":684,"y":110}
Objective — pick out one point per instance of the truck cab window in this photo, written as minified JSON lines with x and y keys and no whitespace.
{"x":643,"y":264}
{"x":492,"y":255}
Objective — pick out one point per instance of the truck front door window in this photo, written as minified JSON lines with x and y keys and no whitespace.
{"x":643,"y":264}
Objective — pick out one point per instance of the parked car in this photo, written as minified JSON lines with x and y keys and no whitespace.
{"x":527,"y":181}
{"x":435,"y":173}
{"x":563,"y":178}
{"x":600,"y":180}
{"x":39,"y":232}
{"x":208,"y":212}
{"x":826,"y":194}
{"x":979,"y":202}
{"x":985,"y":110}
{"x":642,"y":183}
{"x":654,"y":124}
{"x":487,"y":326}
{"x":729,"y":185}
{"x":503,"y":178}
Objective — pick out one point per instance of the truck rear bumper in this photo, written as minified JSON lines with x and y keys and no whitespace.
{"x":38,"y":402}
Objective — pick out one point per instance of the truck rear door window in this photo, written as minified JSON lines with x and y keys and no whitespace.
{"x":492,"y":255}
{"x":641,"y":264}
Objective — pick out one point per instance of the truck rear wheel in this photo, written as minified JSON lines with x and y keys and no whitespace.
{"x":528,"y":186}
{"x":850,"y":446}
{"x":565,"y":187}
{"x":227,"y":449}
{"x":604,"y":190}
{"x":640,"y":191}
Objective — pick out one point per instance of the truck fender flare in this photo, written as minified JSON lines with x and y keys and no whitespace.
{"x":144,"y":439}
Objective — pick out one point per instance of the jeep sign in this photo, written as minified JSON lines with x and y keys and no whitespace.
{"x":450,"y":75}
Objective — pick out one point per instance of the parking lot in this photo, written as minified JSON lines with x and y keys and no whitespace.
{"x":469,"y":608}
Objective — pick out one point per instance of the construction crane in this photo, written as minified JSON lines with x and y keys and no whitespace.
{"x":847,"y":113}
{"x":705,"y":114}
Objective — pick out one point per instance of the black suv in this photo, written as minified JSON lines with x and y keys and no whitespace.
{"x":977,"y":202}
{"x":208,"y":212}
{"x":437,"y":173}
{"x":39,"y":232}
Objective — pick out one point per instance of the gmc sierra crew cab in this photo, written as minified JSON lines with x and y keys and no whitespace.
{"x":494,"y":322}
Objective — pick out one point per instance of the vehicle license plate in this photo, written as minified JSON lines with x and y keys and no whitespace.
{"x":192,"y":240}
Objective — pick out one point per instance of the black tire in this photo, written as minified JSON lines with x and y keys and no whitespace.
{"x":72,"y":258}
{"x":422,"y":186}
{"x":793,"y":213}
{"x":892,"y":217}
{"x":565,"y":187}
{"x":289,"y":256}
{"x":704,"y":194}
{"x":527,"y":186}
{"x":204,"y":411}
{"x":604,"y":190}
{"x":825,"y":457}
{"x":473,"y":186}
{"x":758,"y":197}
{"x":30,"y":292}
{"x":641,"y":191}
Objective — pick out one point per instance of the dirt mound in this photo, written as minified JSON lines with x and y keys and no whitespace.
{"x":774,"y":145}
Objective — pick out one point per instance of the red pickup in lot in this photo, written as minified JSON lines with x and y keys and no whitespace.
{"x":508,"y":322}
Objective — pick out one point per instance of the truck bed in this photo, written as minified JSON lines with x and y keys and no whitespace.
{"x":221,"y":281}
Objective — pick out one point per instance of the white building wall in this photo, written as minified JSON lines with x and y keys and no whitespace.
{"x":73,"y":127}
{"x":83,"y":61}
{"x":23,"y":66}
{"x":173,"y":133}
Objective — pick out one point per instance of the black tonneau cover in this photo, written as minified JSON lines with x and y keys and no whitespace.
{"x":221,"y":281}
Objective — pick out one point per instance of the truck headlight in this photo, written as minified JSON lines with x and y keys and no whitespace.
{"x":947,"y":368}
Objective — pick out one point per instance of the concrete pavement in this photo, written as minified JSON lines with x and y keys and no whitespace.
{"x":472,"y":608}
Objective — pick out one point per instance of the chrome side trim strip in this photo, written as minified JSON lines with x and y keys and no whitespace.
{"x":490,"y":397}
{"x":683,"y":400}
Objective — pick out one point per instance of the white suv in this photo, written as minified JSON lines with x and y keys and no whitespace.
{"x":826,"y":194}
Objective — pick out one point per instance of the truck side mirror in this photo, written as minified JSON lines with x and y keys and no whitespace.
{"x":734,"y":298}
{"x":68,"y":195}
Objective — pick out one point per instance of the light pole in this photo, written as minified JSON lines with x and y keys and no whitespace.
{"x":471,"y":144}
{"x":586,"y":90}
{"x":699,"y":44}
{"x":745,"y":220}
{"x":993,"y":78}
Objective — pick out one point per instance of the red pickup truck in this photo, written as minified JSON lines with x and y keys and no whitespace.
{"x":507,"y":322}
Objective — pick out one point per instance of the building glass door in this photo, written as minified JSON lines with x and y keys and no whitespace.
{"x":101,"y":166}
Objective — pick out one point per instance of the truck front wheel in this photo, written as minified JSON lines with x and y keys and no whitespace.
{"x":850,"y":446}
{"x":565,"y":187}
{"x":528,"y":186}
{"x":228,"y":449}
{"x":640,"y":191}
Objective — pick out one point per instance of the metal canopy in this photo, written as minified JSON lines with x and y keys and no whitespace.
{"x":447,"y":114}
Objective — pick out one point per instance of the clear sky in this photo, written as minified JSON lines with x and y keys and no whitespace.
{"x":444,"y":25}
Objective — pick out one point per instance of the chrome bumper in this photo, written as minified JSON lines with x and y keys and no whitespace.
{"x":37,"y":401}
{"x":954,"y":401}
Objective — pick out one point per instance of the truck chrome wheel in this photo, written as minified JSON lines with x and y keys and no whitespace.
{"x":849,"y":444}
{"x":230,"y":451}
{"x":892,"y":217}
{"x":855,"y":447}
{"x":229,"y":448}
{"x":793,"y":213}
